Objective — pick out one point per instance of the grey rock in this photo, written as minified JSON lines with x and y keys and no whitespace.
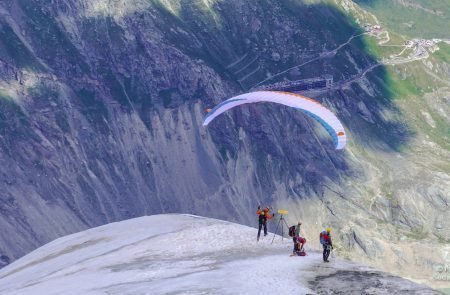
{"x":101,"y":109}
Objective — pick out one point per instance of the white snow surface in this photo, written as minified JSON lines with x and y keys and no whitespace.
{"x":166,"y":254}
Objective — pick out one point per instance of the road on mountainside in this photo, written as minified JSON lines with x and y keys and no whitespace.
{"x":322,"y":55}
{"x":419,"y":53}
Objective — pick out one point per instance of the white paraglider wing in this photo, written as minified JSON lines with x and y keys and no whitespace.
{"x":311,"y":107}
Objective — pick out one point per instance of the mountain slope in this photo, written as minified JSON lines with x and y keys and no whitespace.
{"x":165,"y":254}
{"x":102,"y":109}
{"x":101,"y":104}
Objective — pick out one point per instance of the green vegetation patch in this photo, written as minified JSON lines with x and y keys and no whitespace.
{"x":394,"y":86}
{"x":384,"y":50}
{"x":417,"y":234}
{"x":413,"y":18}
{"x":443,"y":54}
{"x":4,"y":95}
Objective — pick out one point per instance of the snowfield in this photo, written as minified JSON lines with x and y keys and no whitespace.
{"x":185,"y":254}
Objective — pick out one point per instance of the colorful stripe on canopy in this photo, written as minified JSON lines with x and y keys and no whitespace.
{"x":309,"y":106}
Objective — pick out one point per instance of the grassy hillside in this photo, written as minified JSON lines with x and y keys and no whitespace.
{"x":413,"y":18}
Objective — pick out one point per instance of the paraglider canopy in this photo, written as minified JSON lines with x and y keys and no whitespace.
{"x":309,"y":106}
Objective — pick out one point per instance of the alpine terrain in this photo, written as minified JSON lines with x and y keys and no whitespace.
{"x":102,"y":105}
{"x":205,"y":256}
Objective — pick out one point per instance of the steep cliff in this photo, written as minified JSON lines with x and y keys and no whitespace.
{"x":101,"y":104}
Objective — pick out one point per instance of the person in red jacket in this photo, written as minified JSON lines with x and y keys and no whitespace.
{"x":299,"y":242}
{"x":263,"y":215}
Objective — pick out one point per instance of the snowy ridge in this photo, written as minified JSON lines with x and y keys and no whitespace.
{"x":184,"y":254}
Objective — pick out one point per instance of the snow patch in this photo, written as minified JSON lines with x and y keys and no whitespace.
{"x":429,"y":119}
{"x":168,"y":254}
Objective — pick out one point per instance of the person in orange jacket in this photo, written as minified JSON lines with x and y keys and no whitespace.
{"x":263,"y":215}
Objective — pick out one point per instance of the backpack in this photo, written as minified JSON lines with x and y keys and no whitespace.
{"x":324,"y":237}
{"x":292,"y":231}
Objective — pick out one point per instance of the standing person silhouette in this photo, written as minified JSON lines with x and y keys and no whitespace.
{"x":263,"y":215}
{"x":325,"y":240}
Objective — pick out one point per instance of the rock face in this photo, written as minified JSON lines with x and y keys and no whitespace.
{"x":101,"y":104}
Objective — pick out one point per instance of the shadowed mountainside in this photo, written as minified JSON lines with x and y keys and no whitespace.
{"x":101,"y":107}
